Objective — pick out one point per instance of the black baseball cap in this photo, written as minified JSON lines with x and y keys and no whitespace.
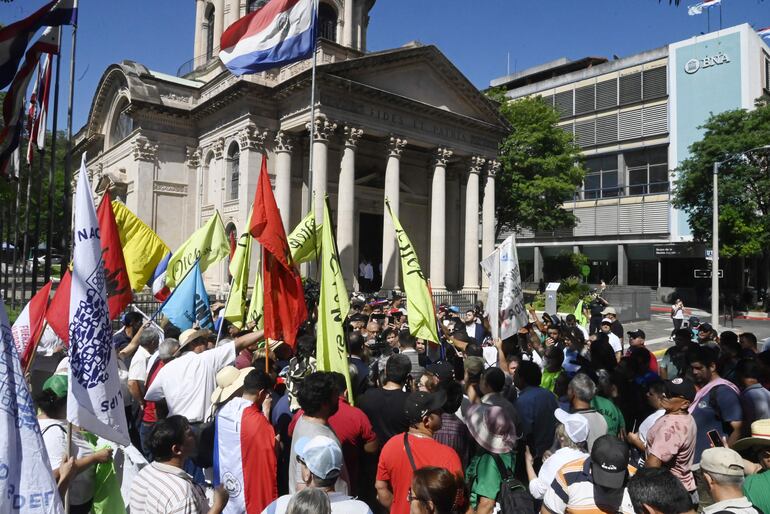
{"x":637,"y":333}
{"x":609,"y":464}
{"x":681,"y":388}
{"x":443,"y":370}
{"x":419,"y":404}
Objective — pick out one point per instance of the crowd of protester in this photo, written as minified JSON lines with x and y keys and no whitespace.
{"x":560,"y":417}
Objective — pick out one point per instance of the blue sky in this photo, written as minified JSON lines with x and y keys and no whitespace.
{"x":476,"y":35}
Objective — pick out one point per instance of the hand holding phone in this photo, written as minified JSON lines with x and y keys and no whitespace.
{"x":715,"y":439}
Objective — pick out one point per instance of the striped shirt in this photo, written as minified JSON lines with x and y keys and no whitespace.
{"x":163,"y":489}
{"x":572,"y":491}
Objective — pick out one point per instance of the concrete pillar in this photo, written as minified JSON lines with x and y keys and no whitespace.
{"x":438,"y":220}
{"x":251,"y":140}
{"x":471,"y":261}
{"x":622,"y":265}
{"x":219,"y":22}
{"x":347,"y":24}
{"x":200,"y":35}
{"x":321,"y":132}
{"x":488,"y":216}
{"x":346,"y":207}
{"x":538,"y":261}
{"x":283,"y":148}
{"x":575,"y":248}
{"x":395,"y":147}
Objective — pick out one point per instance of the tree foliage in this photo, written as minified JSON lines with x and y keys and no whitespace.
{"x":744,"y":182}
{"x":541,"y":168}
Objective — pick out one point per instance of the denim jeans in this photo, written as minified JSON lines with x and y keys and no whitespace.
{"x":144,"y":435}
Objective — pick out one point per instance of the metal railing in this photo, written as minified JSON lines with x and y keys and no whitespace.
{"x":462,"y":300}
{"x":196,"y":62}
{"x":649,"y":188}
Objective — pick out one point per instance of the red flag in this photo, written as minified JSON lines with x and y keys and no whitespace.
{"x":29,"y":325}
{"x":233,"y":244}
{"x":58,"y":314}
{"x":119,"y":293}
{"x":284,"y":309}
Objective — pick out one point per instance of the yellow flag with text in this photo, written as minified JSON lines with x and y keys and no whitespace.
{"x":255,"y":311}
{"x":419,"y":303}
{"x":333,"y":308}
{"x":208,"y":243}
{"x":305,"y":240}
{"x":235,"y":309}
{"x":142,"y":248}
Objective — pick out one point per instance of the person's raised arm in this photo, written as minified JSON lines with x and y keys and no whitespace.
{"x":244,"y":341}
{"x":132,"y":346}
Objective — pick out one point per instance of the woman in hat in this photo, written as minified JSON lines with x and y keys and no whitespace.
{"x":495,"y":434}
{"x":52,"y":403}
{"x":756,"y":487}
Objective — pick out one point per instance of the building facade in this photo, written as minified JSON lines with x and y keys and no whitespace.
{"x":402,"y":124}
{"x":634,"y":119}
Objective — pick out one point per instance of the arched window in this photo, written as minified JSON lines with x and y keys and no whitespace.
{"x":122,"y":124}
{"x":233,"y":171}
{"x":205,"y":174}
{"x":327,"y":22}
{"x":255,"y":4}
{"x":210,"y":32}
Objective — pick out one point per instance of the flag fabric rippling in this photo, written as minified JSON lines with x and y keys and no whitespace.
{"x":118,"y":286}
{"x":143,"y":250}
{"x":188,"y":305}
{"x":29,"y":325}
{"x":207,"y":245}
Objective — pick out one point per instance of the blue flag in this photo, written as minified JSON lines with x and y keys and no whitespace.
{"x":188,"y":305}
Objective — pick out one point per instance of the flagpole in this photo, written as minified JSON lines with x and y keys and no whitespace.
{"x":51,"y":176}
{"x":15,"y":243}
{"x":720,"y":16}
{"x":67,"y":234}
{"x":25,"y":246}
{"x":36,"y":233}
{"x":67,"y":455}
{"x":152,"y":318}
{"x":311,"y":192}
{"x":34,"y":348}
{"x":708,"y":21}
{"x":229,"y":295}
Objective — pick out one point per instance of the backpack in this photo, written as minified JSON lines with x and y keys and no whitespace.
{"x":514,"y":496}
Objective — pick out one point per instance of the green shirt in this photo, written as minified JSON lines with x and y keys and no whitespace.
{"x":484,"y":477}
{"x":548,"y":379}
{"x":757,"y":490}
{"x":611,"y":413}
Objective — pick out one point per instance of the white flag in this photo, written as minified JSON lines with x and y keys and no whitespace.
{"x":505,"y":303}
{"x":95,"y":402}
{"x":25,"y":471}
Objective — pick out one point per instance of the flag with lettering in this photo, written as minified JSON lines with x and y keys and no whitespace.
{"x":305,"y":240}
{"x":25,"y":471}
{"x":119,"y":293}
{"x":208,"y":245}
{"x":490,"y":266}
{"x":95,"y":402}
{"x":419,"y":303}
{"x":28,"y":327}
{"x":235,"y":309}
{"x":188,"y":304}
{"x":505,"y":304}
{"x":333,"y":307}
{"x":255,"y":311}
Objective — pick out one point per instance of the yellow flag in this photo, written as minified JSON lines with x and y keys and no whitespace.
{"x":255,"y":312}
{"x":142,"y":248}
{"x":208,"y":243}
{"x":419,"y":304}
{"x":333,"y":308}
{"x":305,"y":239}
{"x":235,"y":309}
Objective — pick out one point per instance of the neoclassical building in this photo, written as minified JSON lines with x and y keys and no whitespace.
{"x":403,"y":124}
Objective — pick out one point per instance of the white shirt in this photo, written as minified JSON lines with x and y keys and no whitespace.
{"x":138,"y":368}
{"x":187,"y":382}
{"x":615,"y":342}
{"x":45,"y":358}
{"x":341,"y":504}
{"x":55,"y":440}
{"x":678,"y":312}
{"x":648,"y":422}
{"x":584,"y":331}
{"x":550,"y":467}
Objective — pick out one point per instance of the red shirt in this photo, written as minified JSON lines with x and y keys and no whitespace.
{"x":149,"y":415}
{"x":354,"y":430}
{"x":394,"y":465}
{"x":260,"y":483}
{"x":653,"y":361}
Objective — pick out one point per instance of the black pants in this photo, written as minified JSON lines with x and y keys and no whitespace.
{"x":677,"y":325}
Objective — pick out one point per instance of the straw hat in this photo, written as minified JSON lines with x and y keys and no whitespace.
{"x":760,"y":436}
{"x":229,"y":380}
{"x":190,"y":335}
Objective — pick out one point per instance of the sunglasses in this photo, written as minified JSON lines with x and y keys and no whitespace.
{"x":410,"y":497}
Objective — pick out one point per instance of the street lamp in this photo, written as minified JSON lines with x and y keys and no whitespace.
{"x":715,"y":234}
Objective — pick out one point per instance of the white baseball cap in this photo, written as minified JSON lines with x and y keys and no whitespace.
{"x":321,"y":455}
{"x":575,"y":425}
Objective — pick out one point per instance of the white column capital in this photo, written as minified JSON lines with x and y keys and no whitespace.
{"x":218,"y":147}
{"x":252,"y":138}
{"x":442,"y":156}
{"x":284,"y":143}
{"x":192,"y":156}
{"x":477,"y":164}
{"x":352,"y":135}
{"x":322,"y":130}
{"x":493,"y":167}
{"x":395,"y":146}
{"x":144,"y":149}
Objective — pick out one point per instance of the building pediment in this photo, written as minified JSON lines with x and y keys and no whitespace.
{"x":422,"y":74}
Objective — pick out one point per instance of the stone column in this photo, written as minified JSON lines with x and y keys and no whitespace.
{"x":346,"y":206}
{"x":347,"y":24}
{"x":200,"y":13}
{"x":252,"y":143}
{"x":622,"y":265}
{"x":395,"y":147}
{"x":321,"y":132}
{"x":471,"y":262}
{"x":219,"y":22}
{"x":146,"y":157}
{"x":488,"y":216}
{"x":283,"y":147}
{"x":538,"y":263}
{"x":194,"y":184}
{"x":438,"y":220}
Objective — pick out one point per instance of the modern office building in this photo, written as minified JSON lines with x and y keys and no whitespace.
{"x":634,"y":119}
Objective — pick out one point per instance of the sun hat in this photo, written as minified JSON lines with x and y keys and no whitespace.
{"x":321,"y":455}
{"x":491,"y":427}
{"x":760,"y":436}
{"x":229,"y":380}
{"x":575,"y":425}
{"x":57,"y":384}
{"x":609,"y":310}
{"x":190,"y":335}
{"x":723,"y":461}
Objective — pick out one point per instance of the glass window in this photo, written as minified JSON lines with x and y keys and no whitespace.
{"x":235,"y":172}
{"x":124,"y":125}
{"x":601,"y":179}
{"x":327,"y":22}
{"x":255,"y":4}
{"x":647,"y":171}
{"x":210,"y":33}
{"x":592,"y":186}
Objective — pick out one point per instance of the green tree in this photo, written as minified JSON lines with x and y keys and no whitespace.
{"x":744,"y":183}
{"x":541,"y":168}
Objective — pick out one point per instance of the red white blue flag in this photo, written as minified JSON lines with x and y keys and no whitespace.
{"x":764,"y":33}
{"x":281,"y":32}
{"x":696,"y":9}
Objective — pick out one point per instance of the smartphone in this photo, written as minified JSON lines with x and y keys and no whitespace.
{"x":715,"y":439}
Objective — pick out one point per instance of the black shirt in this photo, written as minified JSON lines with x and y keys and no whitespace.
{"x":385,"y":409}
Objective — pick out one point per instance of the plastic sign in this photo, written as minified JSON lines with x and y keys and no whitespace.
{"x":694,"y":65}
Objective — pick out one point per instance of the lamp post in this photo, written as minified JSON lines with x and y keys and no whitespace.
{"x":715,"y":233}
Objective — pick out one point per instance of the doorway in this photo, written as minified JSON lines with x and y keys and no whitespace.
{"x":370,"y":247}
